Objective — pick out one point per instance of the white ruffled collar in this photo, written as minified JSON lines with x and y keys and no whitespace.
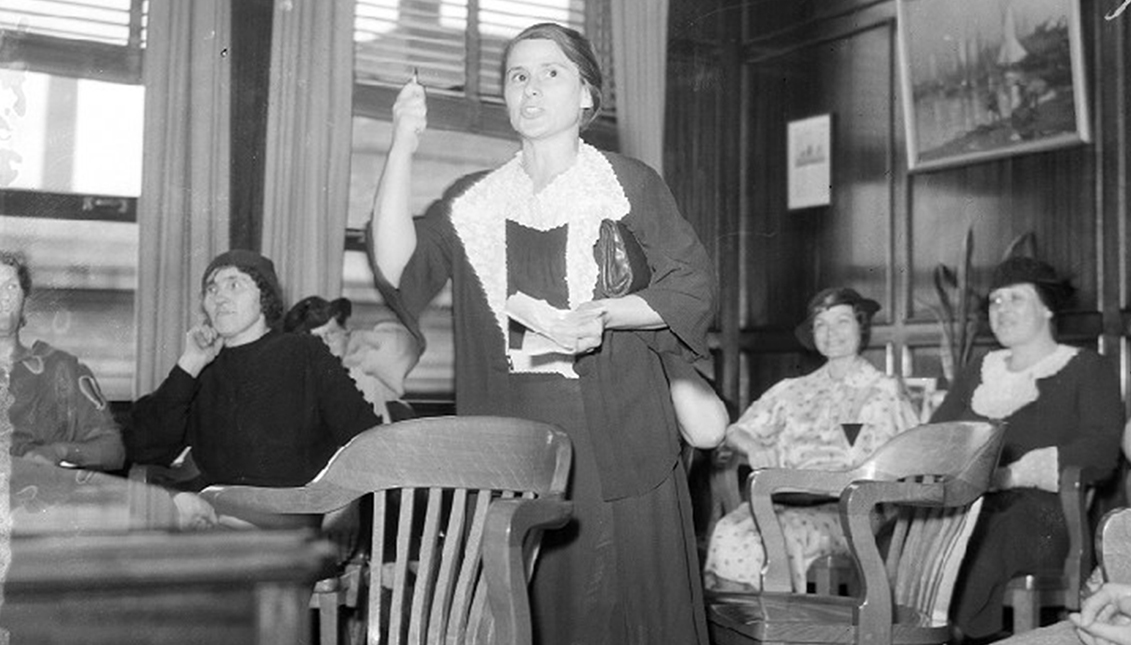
{"x":581,"y":197}
{"x":1003,"y":391}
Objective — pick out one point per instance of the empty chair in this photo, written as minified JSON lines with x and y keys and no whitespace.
{"x":457,"y":505}
{"x":931,"y":478}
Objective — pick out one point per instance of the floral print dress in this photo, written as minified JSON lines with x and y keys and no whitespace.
{"x":797,"y":424}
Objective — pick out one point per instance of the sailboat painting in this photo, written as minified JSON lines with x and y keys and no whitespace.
{"x":985,"y":79}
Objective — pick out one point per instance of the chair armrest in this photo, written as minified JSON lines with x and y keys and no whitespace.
{"x":763,"y":483}
{"x":1113,"y":545}
{"x":856,"y":504}
{"x":724,"y":464}
{"x":509,"y":522}
{"x":1073,"y":502}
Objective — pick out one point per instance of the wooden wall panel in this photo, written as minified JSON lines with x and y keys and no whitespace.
{"x":887,"y":229}
{"x":789,"y":255}
{"x":1048,"y":194}
{"x":692,"y":168}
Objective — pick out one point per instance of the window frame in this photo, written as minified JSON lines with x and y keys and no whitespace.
{"x":80,"y":59}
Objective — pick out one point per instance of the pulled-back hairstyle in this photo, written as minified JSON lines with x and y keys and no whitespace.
{"x":577,"y":49}
{"x":314,"y":311}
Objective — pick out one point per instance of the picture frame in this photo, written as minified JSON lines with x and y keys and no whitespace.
{"x":986,"y":79}
{"x":809,"y":162}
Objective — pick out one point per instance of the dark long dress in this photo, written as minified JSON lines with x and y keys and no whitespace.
{"x":1021,"y":530}
{"x":625,"y":571}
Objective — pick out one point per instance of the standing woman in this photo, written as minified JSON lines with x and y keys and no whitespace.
{"x":625,"y":570}
{"x":1060,"y":406}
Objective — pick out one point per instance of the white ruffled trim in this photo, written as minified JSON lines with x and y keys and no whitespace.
{"x":581,"y":197}
{"x":1003,"y":392}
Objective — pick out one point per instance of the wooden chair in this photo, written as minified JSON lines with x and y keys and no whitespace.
{"x":1113,"y":545}
{"x":1058,"y":588}
{"x":458,"y":506}
{"x":932,"y":478}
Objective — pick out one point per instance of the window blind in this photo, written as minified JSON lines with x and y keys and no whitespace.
{"x":456,"y":45}
{"x":111,"y":22}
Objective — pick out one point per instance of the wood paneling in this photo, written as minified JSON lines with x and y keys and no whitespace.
{"x":886,"y":229}
{"x":789,"y":255}
{"x":1048,"y":194}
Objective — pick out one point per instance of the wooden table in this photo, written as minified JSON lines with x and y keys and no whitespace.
{"x":85,"y":569}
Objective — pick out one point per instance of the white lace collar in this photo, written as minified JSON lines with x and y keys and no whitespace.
{"x":1003,"y":392}
{"x":580,"y":197}
{"x":860,"y":374}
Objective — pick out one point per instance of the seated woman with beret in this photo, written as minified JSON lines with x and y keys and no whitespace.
{"x":1060,"y":406}
{"x":831,"y":419}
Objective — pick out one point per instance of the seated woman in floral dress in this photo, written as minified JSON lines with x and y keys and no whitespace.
{"x":831,"y":419}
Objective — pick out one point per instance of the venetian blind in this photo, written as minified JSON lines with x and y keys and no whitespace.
{"x":112,"y":22}
{"x":455,"y":44}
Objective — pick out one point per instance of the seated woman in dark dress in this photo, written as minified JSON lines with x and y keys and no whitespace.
{"x":1060,"y":405}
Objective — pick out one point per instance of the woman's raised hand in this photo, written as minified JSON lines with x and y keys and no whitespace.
{"x":410,"y":113}
{"x":202,"y":344}
{"x":394,"y":238}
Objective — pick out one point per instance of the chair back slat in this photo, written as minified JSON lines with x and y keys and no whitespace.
{"x":469,"y":572}
{"x":477,"y":614}
{"x":442,"y":602}
{"x":377,"y":601}
{"x":423,"y":588}
{"x":401,"y":560}
{"x":434,"y":482}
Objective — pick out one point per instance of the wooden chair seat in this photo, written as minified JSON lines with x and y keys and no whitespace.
{"x":782,"y":618}
{"x":930,"y":479}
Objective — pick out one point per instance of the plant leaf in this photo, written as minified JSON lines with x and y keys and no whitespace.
{"x":1024,"y":245}
{"x":943,"y":276}
{"x":964,"y":297}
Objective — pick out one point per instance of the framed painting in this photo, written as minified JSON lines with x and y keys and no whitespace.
{"x":985,"y":79}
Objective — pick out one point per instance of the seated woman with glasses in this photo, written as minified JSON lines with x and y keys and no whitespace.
{"x":256,"y":406}
{"x":830,"y":419}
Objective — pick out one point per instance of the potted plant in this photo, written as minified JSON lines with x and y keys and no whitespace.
{"x":959,"y":310}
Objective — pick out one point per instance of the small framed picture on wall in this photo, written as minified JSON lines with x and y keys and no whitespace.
{"x":809,"y":162}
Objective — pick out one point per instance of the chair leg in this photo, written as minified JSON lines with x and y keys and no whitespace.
{"x":822,"y":577}
{"x":326,"y":591}
{"x":1026,"y":612}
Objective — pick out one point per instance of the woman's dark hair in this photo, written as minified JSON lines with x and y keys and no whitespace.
{"x":270,"y":302}
{"x":18,"y":262}
{"x":314,"y":311}
{"x":863,"y":308}
{"x":577,"y":49}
